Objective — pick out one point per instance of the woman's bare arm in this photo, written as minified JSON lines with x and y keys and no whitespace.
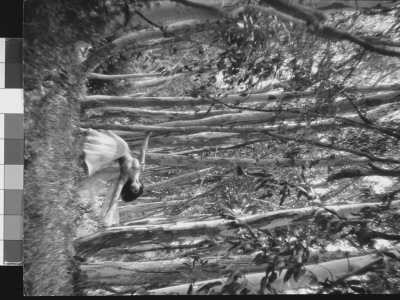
{"x":143,"y":150}
{"x":123,"y":178}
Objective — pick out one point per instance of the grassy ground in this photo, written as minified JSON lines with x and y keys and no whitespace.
{"x":52,"y":169}
{"x":52,"y":83}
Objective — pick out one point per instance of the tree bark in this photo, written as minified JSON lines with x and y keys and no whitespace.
{"x":155,"y":82}
{"x":275,"y":97}
{"x":154,"y":115}
{"x":123,"y":76}
{"x":282,"y":121}
{"x":343,"y":5}
{"x":162,"y":230}
{"x":195,"y":162}
{"x":340,"y":107}
{"x":185,"y":178}
{"x":179,"y":270}
{"x":192,"y":140}
{"x":269,"y":131}
{"x":356,"y":173}
{"x":138,"y":208}
{"x":332,"y":270}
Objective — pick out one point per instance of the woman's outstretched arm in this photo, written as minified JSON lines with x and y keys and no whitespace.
{"x":112,"y":215}
{"x":143,"y":150}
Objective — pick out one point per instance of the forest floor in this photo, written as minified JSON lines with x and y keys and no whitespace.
{"x":51,"y":212}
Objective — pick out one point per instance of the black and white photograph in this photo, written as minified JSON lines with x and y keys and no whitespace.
{"x":211,"y":147}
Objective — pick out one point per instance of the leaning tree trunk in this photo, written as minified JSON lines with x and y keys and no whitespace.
{"x":147,"y":114}
{"x":341,"y":107}
{"x":123,"y":76}
{"x":332,"y":270}
{"x":236,"y":99}
{"x":194,"y":162}
{"x":111,"y":273}
{"x":164,"y":230}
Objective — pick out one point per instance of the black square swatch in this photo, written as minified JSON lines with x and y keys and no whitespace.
{"x":14,"y":51}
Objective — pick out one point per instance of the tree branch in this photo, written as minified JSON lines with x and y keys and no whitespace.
{"x":331,"y":146}
{"x":354,"y":173}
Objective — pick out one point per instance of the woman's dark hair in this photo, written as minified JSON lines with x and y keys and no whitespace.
{"x":127,"y":194}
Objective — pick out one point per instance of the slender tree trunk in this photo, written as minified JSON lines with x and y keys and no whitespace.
{"x":169,"y":271}
{"x":343,"y":5}
{"x":275,"y":97}
{"x":162,"y":230}
{"x":187,"y":161}
{"x":192,"y":162}
{"x":340,"y":107}
{"x":123,"y":76}
{"x":154,"y":115}
{"x":282,"y":121}
{"x":332,"y":270}
{"x":179,"y":179}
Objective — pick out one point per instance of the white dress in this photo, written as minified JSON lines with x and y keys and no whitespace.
{"x":101,"y":148}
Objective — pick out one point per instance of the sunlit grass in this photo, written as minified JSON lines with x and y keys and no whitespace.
{"x":50,"y":207}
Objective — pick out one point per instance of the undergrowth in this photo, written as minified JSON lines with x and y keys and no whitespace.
{"x":53,"y":83}
{"x":50,"y":208}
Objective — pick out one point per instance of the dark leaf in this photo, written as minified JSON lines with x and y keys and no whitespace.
{"x":358,"y":289}
{"x":389,"y":254}
{"x":240,"y":171}
{"x":305,"y":255}
{"x":298,"y":273}
{"x":270,"y":269}
{"x":273,"y":277}
{"x":259,"y":259}
{"x":190,"y":289}
{"x":326,"y":284}
{"x":203,"y":263}
{"x":288,"y":274}
{"x":208,"y":286}
{"x":263,"y":285}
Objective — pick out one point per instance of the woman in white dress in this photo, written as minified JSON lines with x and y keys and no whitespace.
{"x":103,"y":147}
